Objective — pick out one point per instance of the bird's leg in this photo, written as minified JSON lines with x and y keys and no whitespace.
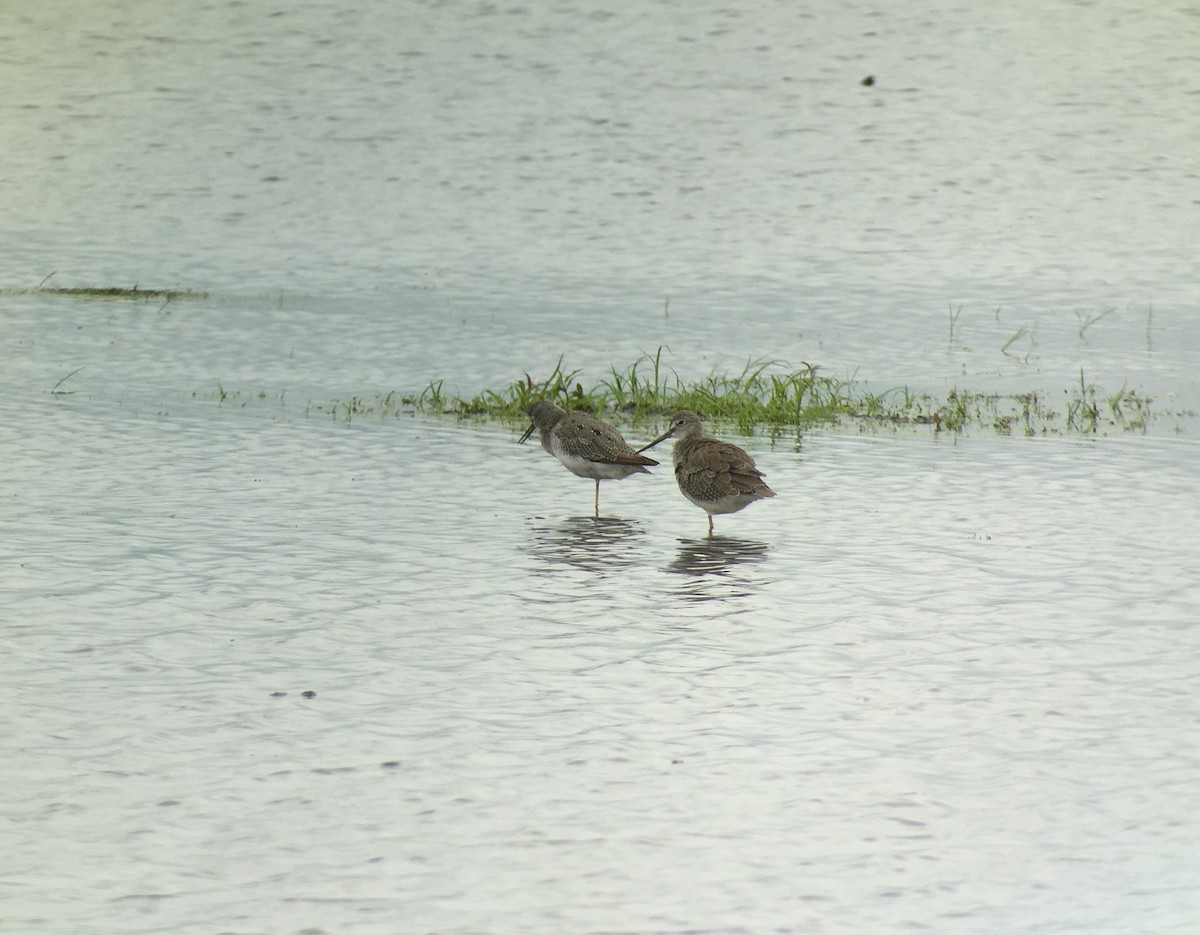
{"x":710,"y":524}
{"x":597,"y":498}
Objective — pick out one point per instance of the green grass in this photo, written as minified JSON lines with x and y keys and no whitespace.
{"x":767,"y":395}
{"x":761,"y":393}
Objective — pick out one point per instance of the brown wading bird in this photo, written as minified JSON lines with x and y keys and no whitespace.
{"x":585,"y":445}
{"x":716,"y":476}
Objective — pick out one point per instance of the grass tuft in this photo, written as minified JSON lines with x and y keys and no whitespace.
{"x":649,"y":388}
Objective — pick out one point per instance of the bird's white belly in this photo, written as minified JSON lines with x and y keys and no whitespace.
{"x":596,"y":470}
{"x":729,"y":504}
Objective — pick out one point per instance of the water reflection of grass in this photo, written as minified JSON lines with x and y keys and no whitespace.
{"x":766,"y":394}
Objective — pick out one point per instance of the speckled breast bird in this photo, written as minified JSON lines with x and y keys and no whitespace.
{"x":586,"y":446}
{"x":716,"y":476}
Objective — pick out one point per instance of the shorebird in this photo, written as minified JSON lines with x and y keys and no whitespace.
{"x":716,"y":476}
{"x":586,"y":446}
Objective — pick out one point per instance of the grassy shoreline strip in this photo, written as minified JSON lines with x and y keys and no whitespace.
{"x":765,"y":395}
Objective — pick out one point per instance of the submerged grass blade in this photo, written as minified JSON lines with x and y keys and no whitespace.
{"x":55,"y":391}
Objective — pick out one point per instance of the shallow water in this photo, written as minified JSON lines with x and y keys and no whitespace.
{"x":930,"y":683}
{"x":941,"y":683}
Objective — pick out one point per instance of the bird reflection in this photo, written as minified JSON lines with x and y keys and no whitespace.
{"x":593,"y":543}
{"x":712,"y":567}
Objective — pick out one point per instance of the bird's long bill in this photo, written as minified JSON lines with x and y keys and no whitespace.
{"x":663,"y":437}
{"x":529,"y":431}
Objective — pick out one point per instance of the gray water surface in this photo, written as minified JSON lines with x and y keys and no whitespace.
{"x":929,"y":684}
{"x":272,"y":671}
